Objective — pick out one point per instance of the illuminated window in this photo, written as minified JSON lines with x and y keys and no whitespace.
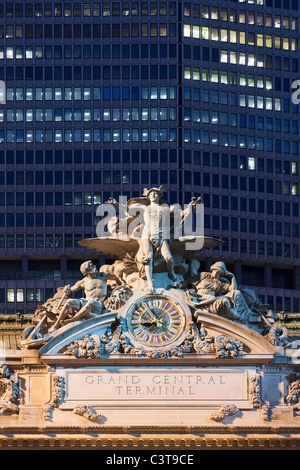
{"x":205,"y":12}
{"x":224,"y":56}
{"x":187,"y":9}
{"x":251,"y":163}
{"x":268,"y":41}
{"x":214,"y":118}
{"x":260,"y":40}
{"x":214,"y":76}
{"x":260,"y":60}
{"x":116,"y":135}
{"x":233,"y":36}
{"x":205,"y":32}
{"x":251,"y":60}
{"x":145,"y":114}
{"x":242,"y":37}
{"x":163,"y":93}
{"x":242,"y":79}
{"x":251,"y":101}
{"x":224,"y":35}
{"x":10,"y":295}
{"x":269,"y":103}
{"x":214,"y":13}
{"x":233,"y":57}
{"x":205,"y":75}
{"x":224,"y":15}
{"x":106,"y":9}
{"x":153,"y":93}
{"x":224,"y":77}
{"x":269,"y":83}
{"x":260,"y":102}
{"x":294,"y":44}
{"x":163,"y":30}
{"x":20,"y":295}
{"x":187,"y":72}
{"x":294,"y":168}
{"x":277,"y":42}
{"x":242,"y":17}
{"x":153,"y":30}
{"x":187,"y":30}
{"x":277,"y":104}
{"x":214,"y":34}
{"x":260,"y":19}
{"x":196,"y":73}
{"x":260,"y":81}
{"x":9,"y":52}
{"x":242,"y":58}
{"x":196,"y":32}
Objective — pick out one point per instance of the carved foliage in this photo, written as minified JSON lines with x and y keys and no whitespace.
{"x":293,"y":395}
{"x":114,"y":340}
{"x":87,"y":412}
{"x":255,"y":398}
{"x":278,"y":335}
{"x":221,"y":346}
{"x":10,"y":392}
{"x":57,"y":397}
{"x":225,"y":410}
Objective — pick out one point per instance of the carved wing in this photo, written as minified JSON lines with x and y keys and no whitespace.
{"x":191,"y":246}
{"x":114,"y":247}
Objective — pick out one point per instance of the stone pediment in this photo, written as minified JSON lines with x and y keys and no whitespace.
{"x":212,"y":340}
{"x":253,"y":341}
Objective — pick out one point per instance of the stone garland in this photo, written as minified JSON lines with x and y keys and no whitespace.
{"x":111,"y":342}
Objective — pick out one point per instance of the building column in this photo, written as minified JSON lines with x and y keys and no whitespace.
{"x":63,"y":267}
{"x":268,"y":274}
{"x":238,"y":271}
{"x":208,"y":264}
{"x":296,"y":274}
{"x":24,"y":267}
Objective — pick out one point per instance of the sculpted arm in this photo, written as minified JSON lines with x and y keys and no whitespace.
{"x":76,"y":287}
{"x":186,"y":212}
{"x":114,"y":202}
{"x":233,"y":284}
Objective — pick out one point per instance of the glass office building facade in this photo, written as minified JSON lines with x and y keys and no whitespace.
{"x":106,"y":98}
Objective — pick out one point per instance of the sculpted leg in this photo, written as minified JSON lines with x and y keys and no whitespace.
{"x":147,"y":261}
{"x":91,"y":305}
{"x":167,"y":255}
{"x":71,"y":303}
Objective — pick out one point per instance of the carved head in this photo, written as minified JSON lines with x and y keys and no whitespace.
{"x":218,"y":268}
{"x":154,"y":194}
{"x":88,"y":267}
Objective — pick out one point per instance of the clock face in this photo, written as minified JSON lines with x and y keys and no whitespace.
{"x":155,"y":321}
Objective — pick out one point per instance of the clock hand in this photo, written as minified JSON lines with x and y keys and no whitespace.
{"x":158,"y":323}
{"x":149,"y":311}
